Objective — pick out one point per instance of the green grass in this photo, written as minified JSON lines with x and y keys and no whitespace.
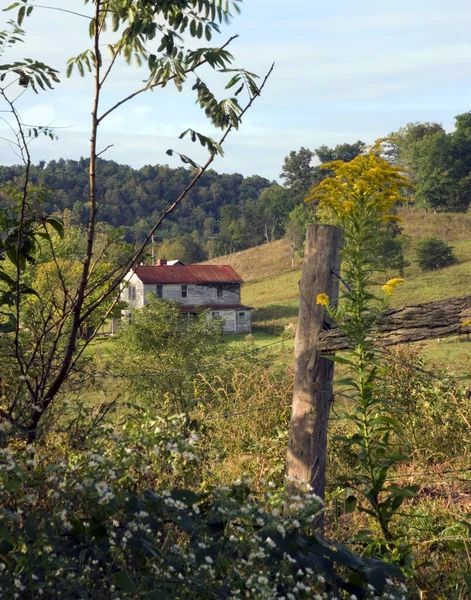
{"x":104,"y":346}
{"x":259,"y":338}
{"x":272,"y":285}
{"x":275,"y":297}
{"x":452,"y":355}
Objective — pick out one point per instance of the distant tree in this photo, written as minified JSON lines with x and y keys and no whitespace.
{"x":232,"y":231}
{"x":134,"y":198}
{"x":301,"y":169}
{"x":388,"y":247}
{"x":434,"y":253}
{"x":298,"y":171}
{"x":345,"y":152}
{"x":299,"y":218}
{"x":187,"y":248}
{"x":275,"y":203}
{"x":438,"y":163}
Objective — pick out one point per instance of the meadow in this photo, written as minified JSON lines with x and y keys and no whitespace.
{"x":271,"y":284}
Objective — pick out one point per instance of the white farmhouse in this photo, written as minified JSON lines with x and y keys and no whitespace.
{"x":215,"y":288}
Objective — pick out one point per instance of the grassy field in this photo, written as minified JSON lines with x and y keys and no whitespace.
{"x":271,"y":287}
{"x":261,"y":262}
{"x":271,"y":283}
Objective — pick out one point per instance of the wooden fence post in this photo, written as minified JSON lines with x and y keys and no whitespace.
{"x":313,"y":375}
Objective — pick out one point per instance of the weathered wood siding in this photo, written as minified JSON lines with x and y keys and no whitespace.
{"x":139,"y":287}
{"x":232,"y":320}
{"x":244,"y":325}
{"x":198,"y":294}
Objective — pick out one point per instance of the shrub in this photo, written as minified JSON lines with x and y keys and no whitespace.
{"x":434,"y":253}
{"x":161,"y":352}
{"x":102,"y":523}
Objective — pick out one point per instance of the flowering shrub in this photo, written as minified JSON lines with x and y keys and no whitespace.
{"x":101,"y":522}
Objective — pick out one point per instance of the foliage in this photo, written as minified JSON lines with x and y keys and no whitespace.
{"x":434,"y":253}
{"x":18,"y":242}
{"x":86,"y":522}
{"x":432,"y":408}
{"x":162,"y":351}
{"x":188,"y":248}
{"x":244,"y":416}
{"x":301,"y":172}
{"x":389,"y":246}
{"x":133,"y":197}
{"x":299,"y":218}
{"x":345,"y":152}
{"x":360,"y":195}
{"x":298,"y":171}
{"x":47,"y":349}
{"x":438,"y":162}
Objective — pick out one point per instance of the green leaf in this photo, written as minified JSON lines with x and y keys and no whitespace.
{"x":30,"y":528}
{"x":350,"y":503}
{"x":57,"y":225}
{"x":338,"y":359}
{"x":26,"y":290}
{"x":21,"y":15}
{"x":12,"y":484}
{"x":11,"y":7}
{"x":467,"y":578}
{"x":9,"y":326}
{"x":124,"y":582}
{"x":6,"y":278}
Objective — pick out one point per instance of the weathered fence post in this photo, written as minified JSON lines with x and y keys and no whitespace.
{"x":313,"y":375}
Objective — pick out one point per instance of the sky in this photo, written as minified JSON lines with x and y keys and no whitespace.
{"x":344,"y":71}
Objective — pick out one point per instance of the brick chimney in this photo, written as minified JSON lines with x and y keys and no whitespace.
{"x":161,"y":262}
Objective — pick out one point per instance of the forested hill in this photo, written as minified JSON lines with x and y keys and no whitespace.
{"x":133,"y":198}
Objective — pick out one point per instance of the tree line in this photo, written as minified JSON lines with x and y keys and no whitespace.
{"x":227,"y":213}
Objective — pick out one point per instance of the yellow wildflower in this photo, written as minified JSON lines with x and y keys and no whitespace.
{"x":466,"y":323}
{"x":348,"y":206}
{"x":322,"y":299}
{"x":390,"y":285}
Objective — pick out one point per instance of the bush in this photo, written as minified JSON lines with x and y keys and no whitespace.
{"x":162,"y":352}
{"x":434,"y":253}
{"x":102,"y":523}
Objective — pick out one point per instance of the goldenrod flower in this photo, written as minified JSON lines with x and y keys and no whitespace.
{"x":390,"y":285}
{"x":466,"y":323}
{"x":366,"y":181}
{"x":322,"y":299}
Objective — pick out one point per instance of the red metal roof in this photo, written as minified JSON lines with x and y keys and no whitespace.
{"x":218,"y":307}
{"x":188,"y":274}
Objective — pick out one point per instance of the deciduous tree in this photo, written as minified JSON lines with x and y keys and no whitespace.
{"x":151,"y":33}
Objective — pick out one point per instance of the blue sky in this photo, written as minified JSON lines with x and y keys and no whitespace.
{"x":343,"y":71}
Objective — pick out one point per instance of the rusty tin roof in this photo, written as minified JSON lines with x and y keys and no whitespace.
{"x":187,"y":274}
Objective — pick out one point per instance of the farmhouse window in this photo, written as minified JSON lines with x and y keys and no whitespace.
{"x":242,"y":317}
{"x":184,"y":291}
{"x":215,"y":314}
{"x":159,"y":290}
{"x":219,"y":290}
{"x":132,"y":293}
